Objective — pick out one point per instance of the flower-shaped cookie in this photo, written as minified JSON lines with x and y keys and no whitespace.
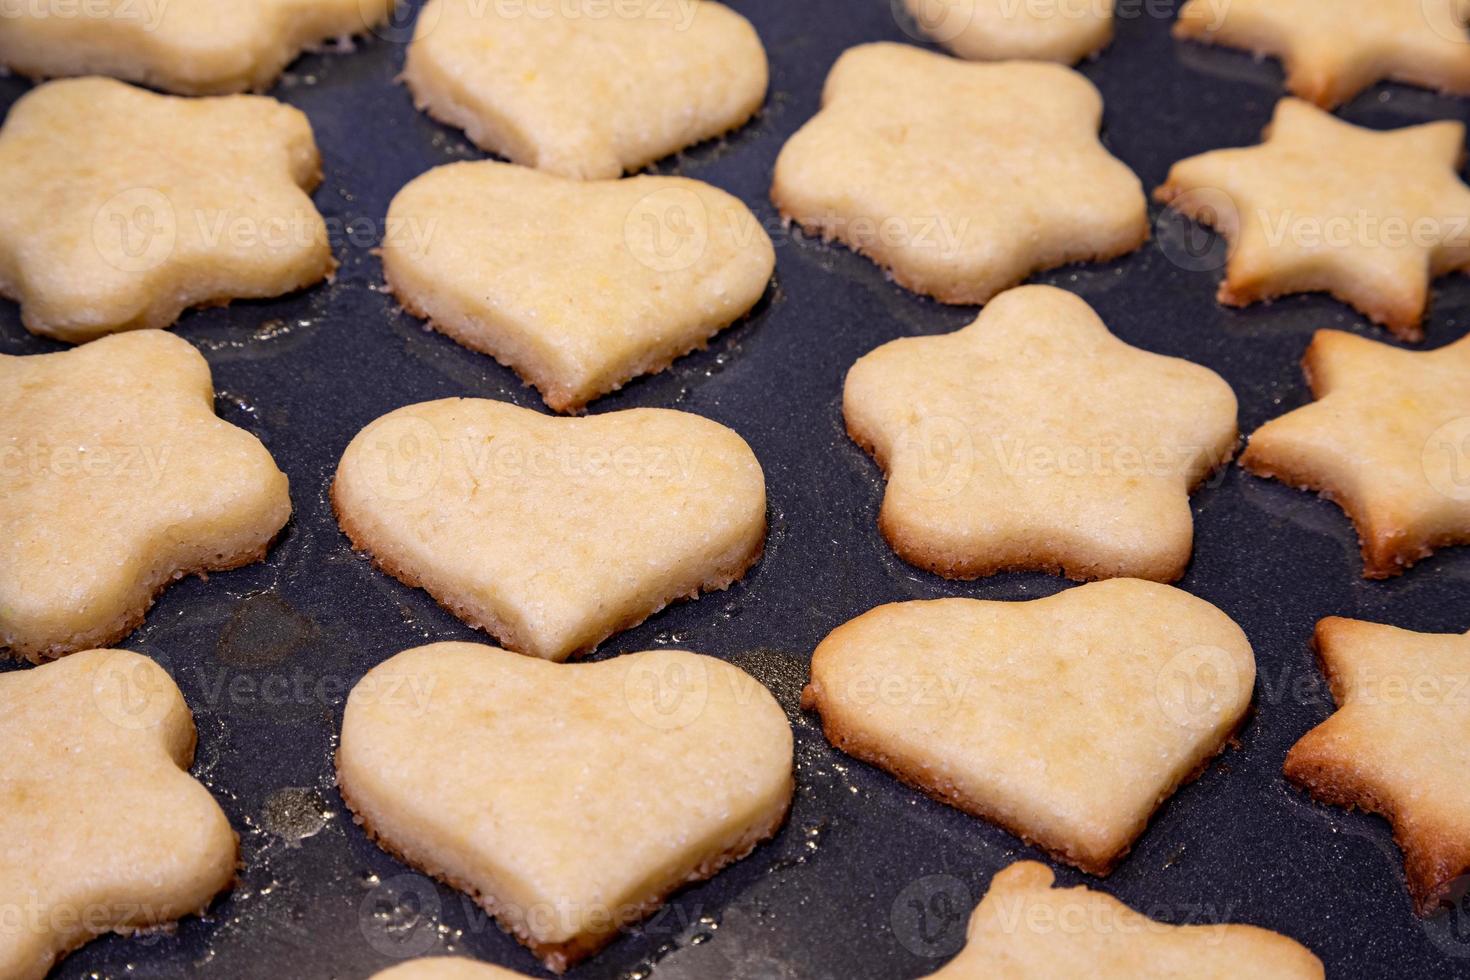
{"x":569,"y":800}
{"x":193,"y":47}
{"x":960,"y":179}
{"x":104,"y":828}
{"x":123,"y":208}
{"x":1388,"y":439}
{"x":1027,"y":927}
{"x":1398,"y":744}
{"x":1035,"y":439}
{"x":586,"y":94}
{"x":1066,"y":720}
{"x":999,"y":30}
{"x":1333,"y":49}
{"x":1324,"y":206}
{"x":577,"y":285}
{"x":116,"y":478}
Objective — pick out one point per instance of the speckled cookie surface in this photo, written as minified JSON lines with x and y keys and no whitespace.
{"x":446,"y":968}
{"x":123,"y":208}
{"x":582,"y":93}
{"x":960,"y":179}
{"x":552,"y":534}
{"x":1026,"y":928}
{"x":1035,"y":439}
{"x":116,"y":478}
{"x":1064,"y":31}
{"x":1065,"y":720}
{"x":104,"y":828}
{"x":578,"y":286}
{"x":193,"y":47}
{"x":570,"y":800}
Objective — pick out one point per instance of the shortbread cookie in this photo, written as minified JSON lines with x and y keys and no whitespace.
{"x":1065,"y":720}
{"x":959,"y":179}
{"x":570,"y":801}
{"x":1025,"y":927}
{"x":1333,"y":49}
{"x":116,"y":478}
{"x":1399,"y":744}
{"x":104,"y":828}
{"x":552,"y":534}
{"x":1065,"y":31}
{"x":1388,"y":439}
{"x":193,"y":47}
{"x":577,"y":286}
{"x":1324,"y":206}
{"x":552,"y":86}
{"x":124,"y":208}
{"x":446,"y":968}
{"x":1035,"y":439}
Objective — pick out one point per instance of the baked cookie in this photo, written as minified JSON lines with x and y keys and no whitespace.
{"x":962,"y":196}
{"x":1388,"y":439}
{"x":552,"y":534}
{"x":1035,"y":439}
{"x":1324,"y":206}
{"x":577,"y":286}
{"x":116,"y":478}
{"x":1399,"y":744}
{"x":550,"y":86}
{"x":445,"y":968}
{"x":1026,"y":927}
{"x":570,"y":801}
{"x":1333,"y":49}
{"x":193,"y":47}
{"x":999,"y":30}
{"x":1064,"y":720}
{"x":124,"y":208}
{"x":104,"y":828}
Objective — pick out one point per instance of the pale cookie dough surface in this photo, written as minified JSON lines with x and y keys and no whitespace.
{"x":552,"y":534}
{"x":123,"y":208}
{"x":578,"y":286}
{"x":1325,"y":206}
{"x":1027,"y":929}
{"x":548,"y":85}
{"x":104,"y":828}
{"x":1399,"y":744}
{"x":446,"y":968}
{"x":570,"y":800}
{"x":193,"y":47}
{"x":1065,"y":720}
{"x":1035,"y":439}
{"x":1388,"y":439}
{"x":1065,"y":31}
{"x":1333,"y":49}
{"x":960,"y":179}
{"x":116,"y":478}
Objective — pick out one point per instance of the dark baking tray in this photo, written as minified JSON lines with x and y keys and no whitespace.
{"x":868,"y":879}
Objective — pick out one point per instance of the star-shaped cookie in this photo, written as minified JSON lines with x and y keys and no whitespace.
{"x":116,"y":478}
{"x":193,"y":47}
{"x":1398,"y":744}
{"x":1026,"y":927}
{"x":1324,"y":206}
{"x":104,"y":828}
{"x":1388,"y":439}
{"x":1035,"y":439}
{"x":1333,"y":49}
{"x":960,"y":179}
{"x":1001,"y":30}
{"x":123,"y":207}
{"x":582,"y":94}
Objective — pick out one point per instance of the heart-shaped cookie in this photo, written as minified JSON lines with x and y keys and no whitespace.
{"x":552,"y":534}
{"x":568,"y":800}
{"x":1066,"y":720}
{"x":578,"y":286}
